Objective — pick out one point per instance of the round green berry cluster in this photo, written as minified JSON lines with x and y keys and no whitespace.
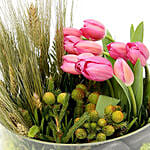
{"x":102,"y":128}
{"x":85,"y":100}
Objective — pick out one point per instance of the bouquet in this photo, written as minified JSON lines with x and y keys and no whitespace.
{"x":77,"y":90}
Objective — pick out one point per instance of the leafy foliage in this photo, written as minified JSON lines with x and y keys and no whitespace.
{"x":103,"y":102}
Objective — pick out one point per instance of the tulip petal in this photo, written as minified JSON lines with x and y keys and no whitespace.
{"x":123,"y":72}
{"x":71,"y":31}
{"x":98,"y":72}
{"x":88,"y":47}
{"x":69,"y":68}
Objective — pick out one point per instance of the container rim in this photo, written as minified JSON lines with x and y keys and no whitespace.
{"x":82,"y":144}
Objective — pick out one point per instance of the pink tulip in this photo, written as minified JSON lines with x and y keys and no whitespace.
{"x":137,"y":51}
{"x":95,"y":68}
{"x":93,"y":30}
{"x":71,"y":32}
{"x":84,"y":56}
{"x":69,"y":62}
{"x":123,"y":71}
{"x":88,"y":47}
{"x":69,"y":41}
{"x":117,"y":50}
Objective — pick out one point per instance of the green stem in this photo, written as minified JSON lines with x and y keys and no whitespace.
{"x":111,"y":88}
{"x":132,"y":123}
{"x":133,"y":101}
{"x":147,"y":73}
{"x":106,"y":53}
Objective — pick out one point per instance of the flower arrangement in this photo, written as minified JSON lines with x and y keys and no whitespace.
{"x":76,"y":91}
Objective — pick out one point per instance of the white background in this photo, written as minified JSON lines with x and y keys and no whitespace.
{"x":116,"y":15}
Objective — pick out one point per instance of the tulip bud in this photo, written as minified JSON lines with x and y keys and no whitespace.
{"x":108,"y":130}
{"x":117,"y":116}
{"x":88,"y":47}
{"x":71,"y":32}
{"x":93,"y":97}
{"x":100,"y":137}
{"x":137,"y":51}
{"x":81,"y":134}
{"x":49,"y":98}
{"x":95,"y":68}
{"x":69,"y":62}
{"x":117,"y":50}
{"x":123,"y":72}
{"x":93,"y":30}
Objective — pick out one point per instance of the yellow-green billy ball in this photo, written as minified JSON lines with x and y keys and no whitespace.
{"x":49,"y":98}
{"x":61,"y":98}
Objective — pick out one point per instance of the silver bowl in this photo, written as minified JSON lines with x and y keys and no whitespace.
{"x":137,"y":140}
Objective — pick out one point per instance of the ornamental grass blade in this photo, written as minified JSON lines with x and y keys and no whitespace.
{"x":103,"y":102}
{"x":138,"y":84}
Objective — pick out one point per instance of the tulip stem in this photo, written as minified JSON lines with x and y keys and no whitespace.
{"x":133,"y":100}
{"x":111,"y":88}
{"x":147,"y":73}
{"x":106,"y":53}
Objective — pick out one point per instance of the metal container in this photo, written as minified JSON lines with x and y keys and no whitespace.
{"x":137,"y":140}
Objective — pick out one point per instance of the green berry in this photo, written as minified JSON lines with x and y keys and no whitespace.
{"x":89,"y":107}
{"x":61,"y":98}
{"x":82,"y":86}
{"x":77,"y":94}
{"x":76,"y":120}
{"x":93,"y":97}
{"x":102,"y":122}
{"x":81,"y":134}
{"x":98,"y":128}
{"x":109,"y":110}
{"x":93,"y":125}
{"x":108,"y":130}
{"x":91,"y":136}
{"x":49,"y":98}
{"x":117,"y":116}
{"x":86,"y":125}
{"x":101,"y":137}
{"x":93,"y":115}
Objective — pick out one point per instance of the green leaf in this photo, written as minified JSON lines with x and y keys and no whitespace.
{"x":79,"y":123}
{"x":138,"y":34}
{"x":33,"y":131}
{"x":138,"y":84}
{"x":107,"y":40}
{"x":36,"y":116}
{"x":64,"y":108}
{"x":119,"y":94}
{"x":103,"y":102}
{"x":125,"y":89}
{"x":131,"y":31}
{"x":42,"y":125}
